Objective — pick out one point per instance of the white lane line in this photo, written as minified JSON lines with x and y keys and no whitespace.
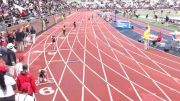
{"x":139,"y":97}
{"x":174,"y":78}
{"x":143,"y":63}
{"x":150,"y":52}
{"x":141,"y":68}
{"x":95,"y":36}
{"x":84,"y":61}
{"x":129,"y":68}
{"x":119,"y":75}
{"x":168,"y":74}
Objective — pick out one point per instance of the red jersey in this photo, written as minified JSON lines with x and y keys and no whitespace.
{"x":27,"y":82}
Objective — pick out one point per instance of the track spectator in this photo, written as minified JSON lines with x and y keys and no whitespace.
{"x":19,"y":64}
{"x":10,"y":38}
{"x":10,"y":58}
{"x":7,"y":85}
{"x":33,"y":34}
{"x":25,"y":81}
{"x":19,"y":37}
{"x":23,"y":96}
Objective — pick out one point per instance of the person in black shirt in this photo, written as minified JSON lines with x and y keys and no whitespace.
{"x":19,"y":40}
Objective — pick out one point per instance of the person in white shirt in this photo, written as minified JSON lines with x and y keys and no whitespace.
{"x":19,"y":65}
{"x":7,"y":85}
{"x":23,"y":97}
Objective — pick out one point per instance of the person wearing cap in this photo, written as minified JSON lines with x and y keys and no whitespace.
{"x":25,"y":81}
{"x":7,"y":85}
{"x":146,"y":37}
{"x":10,"y":58}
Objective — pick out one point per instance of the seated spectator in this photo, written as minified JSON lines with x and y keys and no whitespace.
{"x":159,"y":38}
{"x":25,"y":81}
{"x":7,"y":85}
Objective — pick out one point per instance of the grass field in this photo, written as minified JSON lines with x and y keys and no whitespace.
{"x":151,"y":20}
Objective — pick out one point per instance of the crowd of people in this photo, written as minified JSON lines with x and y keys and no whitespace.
{"x":22,"y":81}
{"x":13,"y":71}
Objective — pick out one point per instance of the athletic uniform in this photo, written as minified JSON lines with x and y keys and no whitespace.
{"x":64,"y":31}
{"x":53,"y":42}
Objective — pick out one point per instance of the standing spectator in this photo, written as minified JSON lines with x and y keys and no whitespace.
{"x":1,"y":40}
{"x":19,"y":65}
{"x":33,"y":34}
{"x":10,"y":58}
{"x":10,"y":38}
{"x":19,"y":37}
{"x":146,"y":37}
{"x":7,"y":85}
{"x":167,"y":20}
{"x":25,"y":81}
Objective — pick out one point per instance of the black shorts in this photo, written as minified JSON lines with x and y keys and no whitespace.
{"x":11,"y":98}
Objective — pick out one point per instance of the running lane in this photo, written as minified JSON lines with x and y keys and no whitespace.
{"x":94,"y":62}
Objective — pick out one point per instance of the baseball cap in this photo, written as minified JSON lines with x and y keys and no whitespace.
{"x":11,"y":47}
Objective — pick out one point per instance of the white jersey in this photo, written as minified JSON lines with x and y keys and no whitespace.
{"x":19,"y":68}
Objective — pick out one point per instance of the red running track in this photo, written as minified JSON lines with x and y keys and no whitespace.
{"x":96,"y":62}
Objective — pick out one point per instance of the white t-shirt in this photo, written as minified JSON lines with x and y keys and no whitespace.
{"x":9,"y":81}
{"x":19,"y":68}
{"x":23,"y":97}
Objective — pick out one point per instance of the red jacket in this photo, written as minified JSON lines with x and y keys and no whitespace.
{"x":26,"y":81}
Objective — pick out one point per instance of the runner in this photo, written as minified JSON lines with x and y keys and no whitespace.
{"x":74,"y":24}
{"x":53,"y":42}
{"x":64,"y":30}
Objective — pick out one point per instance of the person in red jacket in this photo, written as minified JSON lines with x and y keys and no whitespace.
{"x":159,"y":38}
{"x":25,"y":81}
